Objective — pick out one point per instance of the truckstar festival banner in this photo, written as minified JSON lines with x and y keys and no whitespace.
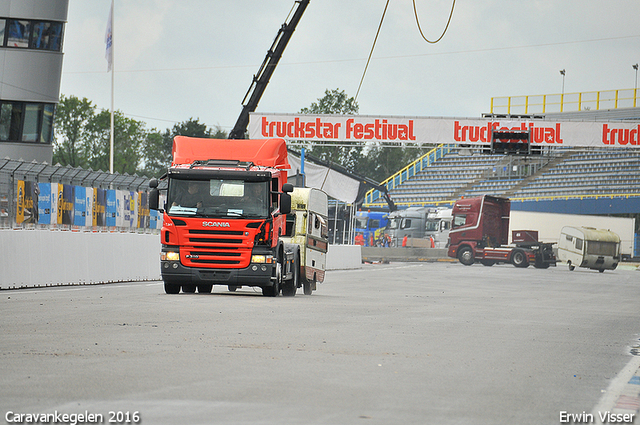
{"x":362,"y":128}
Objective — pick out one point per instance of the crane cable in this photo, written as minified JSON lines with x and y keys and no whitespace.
{"x":415,"y":11}
{"x":371,"y":52}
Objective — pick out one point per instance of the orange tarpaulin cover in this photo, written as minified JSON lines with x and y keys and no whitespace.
{"x":263,"y":152}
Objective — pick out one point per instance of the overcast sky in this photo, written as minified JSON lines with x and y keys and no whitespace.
{"x":178,"y":59}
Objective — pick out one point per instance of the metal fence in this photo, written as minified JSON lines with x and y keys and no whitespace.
{"x":38,"y":195}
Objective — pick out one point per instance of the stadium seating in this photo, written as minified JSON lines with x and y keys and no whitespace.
{"x":562,"y":172}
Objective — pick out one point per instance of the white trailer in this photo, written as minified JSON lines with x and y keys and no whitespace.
{"x":307,"y":227}
{"x":595,"y":249}
{"x":549,"y":226}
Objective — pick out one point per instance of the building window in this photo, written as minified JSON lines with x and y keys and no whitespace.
{"x":18,"y":33}
{"x":26,"y":34}
{"x":26,"y":122}
{"x":46,"y":36}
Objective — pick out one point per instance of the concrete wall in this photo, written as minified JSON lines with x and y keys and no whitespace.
{"x":404,"y":254}
{"x":344,"y":257}
{"x":33,"y":258}
{"x":37,"y":258}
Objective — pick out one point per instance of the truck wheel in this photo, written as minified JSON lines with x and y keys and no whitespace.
{"x":271,"y":291}
{"x":205,"y":288}
{"x":189,"y":289}
{"x":465,"y":255}
{"x":289,"y":287}
{"x":232,"y":288}
{"x":171,"y":288}
{"x":571,"y":266}
{"x":519,"y":258}
{"x":487,"y":263}
{"x":307,"y":288}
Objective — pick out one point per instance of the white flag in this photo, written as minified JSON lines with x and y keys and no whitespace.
{"x":108,"y":40}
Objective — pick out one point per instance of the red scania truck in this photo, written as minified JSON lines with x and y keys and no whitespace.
{"x":224,"y":216}
{"x":480,"y":230}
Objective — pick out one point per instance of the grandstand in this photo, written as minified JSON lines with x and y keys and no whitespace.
{"x":557,"y":173}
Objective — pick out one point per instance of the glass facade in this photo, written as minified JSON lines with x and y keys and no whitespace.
{"x":26,"y":122}
{"x":21,"y":121}
{"x":31,"y":34}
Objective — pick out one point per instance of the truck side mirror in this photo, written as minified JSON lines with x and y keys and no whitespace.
{"x":154,"y":194}
{"x":285,"y":203}
{"x":154,"y":199}
{"x":287,"y":188}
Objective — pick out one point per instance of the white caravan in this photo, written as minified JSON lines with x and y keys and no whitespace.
{"x":307,"y":227}
{"x":595,"y":249}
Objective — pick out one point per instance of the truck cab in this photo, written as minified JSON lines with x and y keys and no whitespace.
{"x":224,"y":216}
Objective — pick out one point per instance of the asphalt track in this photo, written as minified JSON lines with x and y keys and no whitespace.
{"x":400,"y":343}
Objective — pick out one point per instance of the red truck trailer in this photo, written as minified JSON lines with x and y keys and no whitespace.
{"x":480,"y":231}
{"x":224,"y":216}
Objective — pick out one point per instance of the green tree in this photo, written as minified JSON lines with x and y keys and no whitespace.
{"x":130,"y":137}
{"x":71,"y":120}
{"x":158,"y":147}
{"x":82,"y":137}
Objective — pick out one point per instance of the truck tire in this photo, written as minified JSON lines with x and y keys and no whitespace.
{"x":519,"y":258}
{"x":205,"y":288}
{"x":289,"y":287}
{"x":189,"y":289}
{"x":571,"y":266}
{"x":306,"y":286}
{"x":274,"y":290}
{"x":171,"y":288}
{"x":465,"y":255}
{"x":487,"y":263}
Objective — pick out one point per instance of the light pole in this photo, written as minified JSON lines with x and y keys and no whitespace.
{"x":635,"y":89}
{"x":562,"y":72}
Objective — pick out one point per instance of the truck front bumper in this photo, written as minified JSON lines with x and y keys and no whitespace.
{"x":254,"y":275}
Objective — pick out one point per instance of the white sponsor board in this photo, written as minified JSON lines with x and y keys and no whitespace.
{"x":362,"y":128}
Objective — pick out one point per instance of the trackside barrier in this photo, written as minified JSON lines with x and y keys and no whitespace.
{"x":344,"y":257}
{"x":38,"y":258}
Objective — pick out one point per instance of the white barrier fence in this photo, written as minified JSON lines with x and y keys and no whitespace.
{"x":40,"y":258}
{"x":37,"y":258}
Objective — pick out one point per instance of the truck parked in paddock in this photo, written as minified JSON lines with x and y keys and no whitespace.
{"x":479,"y":232}
{"x":225,"y":215}
{"x":595,"y":249}
{"x":438,"y":226}
{"x":307,"y":228}
{"x":368,"y":226}
{"x":409,"y":222}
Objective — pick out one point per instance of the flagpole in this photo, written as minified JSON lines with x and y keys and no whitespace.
{"x":113,"y":73}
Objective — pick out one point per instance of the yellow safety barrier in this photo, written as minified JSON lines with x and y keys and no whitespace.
{"x":565,"y":102}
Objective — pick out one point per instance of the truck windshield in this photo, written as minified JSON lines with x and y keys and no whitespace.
{"x":218,"y":198}
{"x":432,"y":226}
{"x":394,"y":223}
{"x":361,"y":222}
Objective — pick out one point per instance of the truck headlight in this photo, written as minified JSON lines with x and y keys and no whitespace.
{"x":170,"y":256}
{"x":262,"y":259}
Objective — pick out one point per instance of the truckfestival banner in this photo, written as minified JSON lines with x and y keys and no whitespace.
{"x":363,"y":128}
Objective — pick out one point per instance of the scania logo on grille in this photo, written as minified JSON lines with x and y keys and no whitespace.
{"x":215,"y":224}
